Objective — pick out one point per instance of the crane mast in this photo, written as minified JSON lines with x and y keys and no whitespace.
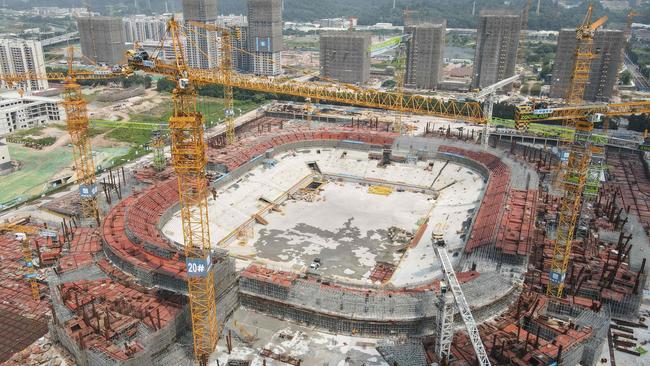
{"x":445,"y":312}
{"x":75,"y":107}
{"x":189,"y":162}
{"x":576,"y":169}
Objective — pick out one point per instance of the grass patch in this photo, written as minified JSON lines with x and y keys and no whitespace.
{"x":536,"y":128}
{"x":38,"y":168}
{"x":35,"y":131}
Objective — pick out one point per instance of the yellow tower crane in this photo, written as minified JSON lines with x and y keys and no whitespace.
{"x":77,"y":123}
{"x":189,"y":158}
{"x":226,"y":72}
{"x":576,"y":169}
{"x":189,"y":161}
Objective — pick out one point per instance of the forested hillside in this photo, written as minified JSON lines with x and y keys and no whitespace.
{"x":457,"y":12}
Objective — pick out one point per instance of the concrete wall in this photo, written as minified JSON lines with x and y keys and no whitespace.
{"x":102,"y":39}
{"x":265,"y":25}
{"x":604,"y":68}
{"x":496,"y":47}
{"x":345,"y":56}
{"x":424,"y":55}
{"x":200,"y":10}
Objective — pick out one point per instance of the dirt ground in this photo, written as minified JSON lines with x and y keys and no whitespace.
{"x":120,"y":110}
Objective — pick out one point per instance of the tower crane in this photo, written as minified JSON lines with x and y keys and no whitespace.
{"x":576,"y":169}
{"x":77,"y":123}
{"x":399,"y":80}
{"x":487,"y":95}
{"x":322,"y":92}
{"x":189,"y":161}
{"x":226,"y":72}
{"x":446,"y":309}
{"x":189,"y":158}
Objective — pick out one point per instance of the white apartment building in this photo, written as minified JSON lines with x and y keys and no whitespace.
{"x":144,"y":28}
{"x":18,"y":113}
{"x":19,"y":56}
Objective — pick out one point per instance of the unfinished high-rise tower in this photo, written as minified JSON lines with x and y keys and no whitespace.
{"x":604,"y":67}
{"x":345,"y":56}
{"x":424,"y":54}
{"x":496,"y":46}
{"x":102,"y":39}
{"x":265,"y":36}
{"x":202,"y":45}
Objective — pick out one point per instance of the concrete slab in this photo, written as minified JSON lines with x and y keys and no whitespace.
{"x":306,"y":344}
{"x":344,"y":225}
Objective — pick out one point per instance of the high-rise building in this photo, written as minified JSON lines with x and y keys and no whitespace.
{"x":496,"y":46}
{"x":345,"y":56}
{"x":202,"y":46}
{"x":239,"y":40}
{"x":265,"y":36}
{"x":19,"y":56}
{"x":102,"y":39}
{"x":604,"y":68}
{"x":141,"y":28}
{"x":424,"y":54}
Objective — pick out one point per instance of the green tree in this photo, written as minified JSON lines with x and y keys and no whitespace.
{"x":626,"y":77}
{"x":547,"y":68}
{"x":504,"y":110}
{"x":165,"y":85}
{"x":639,"y":123}
{"x":389,"y":84}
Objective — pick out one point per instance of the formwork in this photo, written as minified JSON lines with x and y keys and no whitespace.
{"x":372,"y":312}
{"x":587,"y":352}
{"x":403,"y":352}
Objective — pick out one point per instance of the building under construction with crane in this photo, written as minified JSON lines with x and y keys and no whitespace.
{"x":311,"y":234}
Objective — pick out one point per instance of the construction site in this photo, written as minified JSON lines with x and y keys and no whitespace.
{"x":351,"y":227}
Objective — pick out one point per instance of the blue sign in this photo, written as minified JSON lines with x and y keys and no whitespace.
{"x":198,"y":267}
{"x":543,"y":111}
{"x":557,"y":277}
{"x":88,"y":191}
{"x":262,"y":44}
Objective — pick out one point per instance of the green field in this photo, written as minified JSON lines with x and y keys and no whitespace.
{"x":39,"y":167}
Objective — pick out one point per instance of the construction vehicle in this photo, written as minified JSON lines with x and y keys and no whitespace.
{"x":22,"y":234}
{"x":77,"y":123}
{"x":445,"y":319}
